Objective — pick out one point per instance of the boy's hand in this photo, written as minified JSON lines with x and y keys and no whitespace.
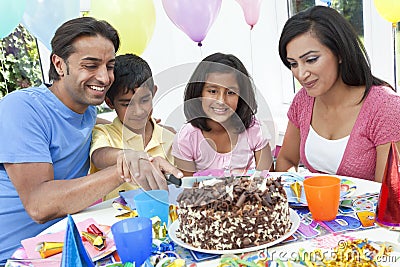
{"x":145,"y":171}
{"x":169,"y":128}
{"x":165,"y":167}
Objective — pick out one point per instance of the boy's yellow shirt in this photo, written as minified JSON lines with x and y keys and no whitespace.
{"x":118,"y":136}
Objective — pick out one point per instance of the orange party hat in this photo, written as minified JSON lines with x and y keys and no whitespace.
{"x":388,"y":208}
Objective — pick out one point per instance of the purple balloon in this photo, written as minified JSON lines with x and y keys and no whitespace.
{"x":193,"y":17}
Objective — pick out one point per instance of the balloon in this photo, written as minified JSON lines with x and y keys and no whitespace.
{"x":10,"y":15}
{"x":388,"y":9}
{"x":328,"y":2}
{"x":193,"y":17}
{"x":251,"y":11}
{"x":43,"y":17}
{"x":133,"y":19}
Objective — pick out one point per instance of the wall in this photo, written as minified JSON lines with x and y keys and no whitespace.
{"x":172,"y":55}
{"x":257,"y":48}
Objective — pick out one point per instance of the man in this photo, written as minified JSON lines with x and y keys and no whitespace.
{"x":45,"y":135}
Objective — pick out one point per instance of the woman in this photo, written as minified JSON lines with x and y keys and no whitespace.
{"x":343,"y":119}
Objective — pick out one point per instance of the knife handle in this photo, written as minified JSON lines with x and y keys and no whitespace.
{"x":171,"y":179}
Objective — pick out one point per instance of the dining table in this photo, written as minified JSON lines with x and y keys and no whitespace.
{"x":307,"y":239}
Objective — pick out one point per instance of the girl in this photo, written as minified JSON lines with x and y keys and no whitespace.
{"x":222,"y":132}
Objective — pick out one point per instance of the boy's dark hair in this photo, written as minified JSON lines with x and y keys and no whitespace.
{"x":130,"y":72}
{"x":220,"y":63}
{"x":62,"y":42}
{"x":336,"y":33}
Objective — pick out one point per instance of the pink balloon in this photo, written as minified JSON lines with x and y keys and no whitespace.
{"x":193,"y":17}
{"x":251,"y":11}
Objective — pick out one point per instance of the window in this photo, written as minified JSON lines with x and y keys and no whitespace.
{"x":396,"y":45}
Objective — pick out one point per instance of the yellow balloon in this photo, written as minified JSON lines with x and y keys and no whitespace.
{"x":133,"y":19}
{"x":388,"y":9}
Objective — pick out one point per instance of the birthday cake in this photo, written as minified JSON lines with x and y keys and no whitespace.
{"x":233,"y":213}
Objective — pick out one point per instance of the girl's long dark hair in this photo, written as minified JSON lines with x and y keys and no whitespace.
{"x":220,"y":63}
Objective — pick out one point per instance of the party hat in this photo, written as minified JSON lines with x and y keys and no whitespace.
{"x":388,"y":209}
{"x":74,"y":253}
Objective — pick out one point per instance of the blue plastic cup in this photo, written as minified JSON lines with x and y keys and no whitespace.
{"x":133,"y":239}
{"x":153,"y":203}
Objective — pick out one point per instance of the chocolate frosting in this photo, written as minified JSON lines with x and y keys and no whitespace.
{"x":233,"y":213}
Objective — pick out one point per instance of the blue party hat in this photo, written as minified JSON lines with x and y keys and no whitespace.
{"x":74,"y":252}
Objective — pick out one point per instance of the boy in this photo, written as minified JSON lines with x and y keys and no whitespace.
{"x":131,"y":96}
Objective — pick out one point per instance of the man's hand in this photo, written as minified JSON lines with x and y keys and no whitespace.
{"x":148,"y":172}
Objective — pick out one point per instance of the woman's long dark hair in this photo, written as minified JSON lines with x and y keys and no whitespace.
{"x":336,"y":33}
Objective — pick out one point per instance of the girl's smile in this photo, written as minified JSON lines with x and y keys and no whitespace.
{"x":220,"y":96}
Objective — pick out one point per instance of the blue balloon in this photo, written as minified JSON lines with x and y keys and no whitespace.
{"x":10,"y":15}
{"x":328,"y":2}
{"x":43,"y":17}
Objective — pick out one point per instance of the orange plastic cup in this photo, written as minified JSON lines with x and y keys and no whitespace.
{"x":323,"y":196}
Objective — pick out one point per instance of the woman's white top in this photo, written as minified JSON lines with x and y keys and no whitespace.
{"x":322,"y":154}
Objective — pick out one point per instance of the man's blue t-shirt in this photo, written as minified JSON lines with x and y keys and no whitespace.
{"x":35,"y":126}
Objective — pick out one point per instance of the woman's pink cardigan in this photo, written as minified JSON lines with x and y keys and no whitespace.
{"x":377,"y":123}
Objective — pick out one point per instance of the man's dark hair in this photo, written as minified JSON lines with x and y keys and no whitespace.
{"x":62,"y":42}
